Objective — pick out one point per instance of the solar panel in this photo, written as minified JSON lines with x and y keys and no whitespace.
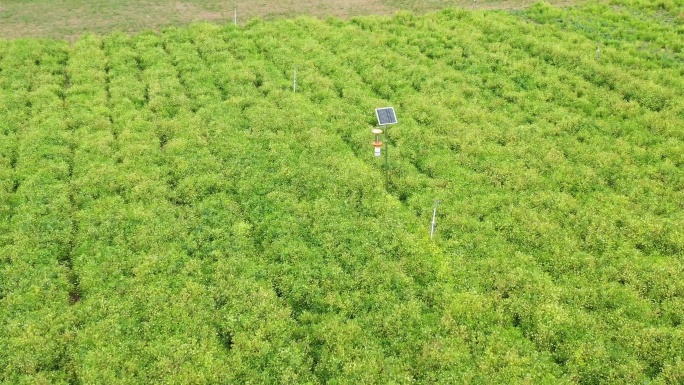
{"x":386,"y":116}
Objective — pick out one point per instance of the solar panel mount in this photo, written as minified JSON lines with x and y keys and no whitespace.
{"x":386,"y":116}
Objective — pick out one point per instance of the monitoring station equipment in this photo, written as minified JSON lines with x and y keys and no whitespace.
{"x":386,"y":117}
{"x":377,"y":143}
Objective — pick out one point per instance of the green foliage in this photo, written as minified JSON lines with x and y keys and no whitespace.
{"x":171,"y":211}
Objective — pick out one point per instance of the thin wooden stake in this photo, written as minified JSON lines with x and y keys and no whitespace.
{"x":434,"y":219}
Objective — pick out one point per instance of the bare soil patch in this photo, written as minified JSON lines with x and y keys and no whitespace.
{"x":68,"y":19}
{"x":191,"y":12}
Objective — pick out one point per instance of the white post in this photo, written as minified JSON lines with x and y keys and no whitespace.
{"x":235,"y":16}
{"x":598,"y":51}
{"x":434,"y":219}
{"x":294,"y":85}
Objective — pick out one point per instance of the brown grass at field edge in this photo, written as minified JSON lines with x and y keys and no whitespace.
{"x":69,"y":19}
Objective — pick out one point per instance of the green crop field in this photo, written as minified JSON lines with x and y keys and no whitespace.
{"x":171,"y":211}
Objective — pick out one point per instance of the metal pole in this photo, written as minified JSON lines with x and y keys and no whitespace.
{"x":434,"y":219}
{"x":386,"y":155}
